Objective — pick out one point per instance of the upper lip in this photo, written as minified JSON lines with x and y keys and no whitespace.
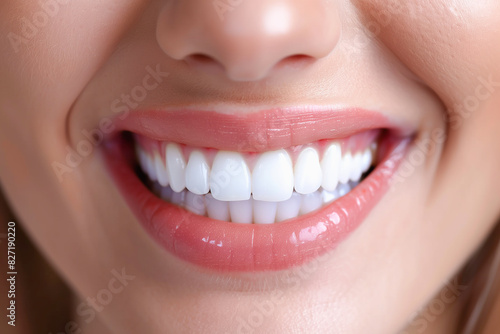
{"x":255,"y":131}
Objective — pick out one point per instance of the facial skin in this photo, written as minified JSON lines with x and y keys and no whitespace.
{"x":417,"y":62}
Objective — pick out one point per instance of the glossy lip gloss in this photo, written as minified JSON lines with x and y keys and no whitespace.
{"x":227,"y":246}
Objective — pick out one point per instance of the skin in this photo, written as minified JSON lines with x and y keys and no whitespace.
{"x":420,"y":62}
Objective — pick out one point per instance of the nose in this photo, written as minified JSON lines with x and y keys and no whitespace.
{"x":247,"y":39}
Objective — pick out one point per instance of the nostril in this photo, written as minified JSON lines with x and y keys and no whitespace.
{"x":298,"y":57}
{"x":296,"y":60}
{"x":209,"y":64}
{"x":201,"y":58}
{"x":204,"y":62}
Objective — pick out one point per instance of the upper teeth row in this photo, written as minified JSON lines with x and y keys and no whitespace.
{"x":273,"y":178}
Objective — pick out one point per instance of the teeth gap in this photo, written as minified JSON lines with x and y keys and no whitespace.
{"x":308,"y":192}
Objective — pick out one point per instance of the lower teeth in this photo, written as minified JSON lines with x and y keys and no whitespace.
{"x":252,"y":211}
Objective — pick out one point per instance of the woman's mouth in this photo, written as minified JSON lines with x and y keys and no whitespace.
{"x":258,"y":206}
{"x":260,"y":188}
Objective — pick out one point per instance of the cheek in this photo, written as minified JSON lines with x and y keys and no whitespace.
{"x":41,"y":76}
{"x":51,"y":49}
{"x":48,"y":53}
{"x":446,"y":43}
{"x":453,"y":47}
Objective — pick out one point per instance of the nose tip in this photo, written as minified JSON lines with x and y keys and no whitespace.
{"x":248,"y":41}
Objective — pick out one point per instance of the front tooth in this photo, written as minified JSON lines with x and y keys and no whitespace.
{"x":241,"y":211}
{"x":331,"y":166}
{"x":308,"y":175}
{"x":367,"y":160}
{"x":195,"y":203}
{"x":197,"y":173}
{"x":311,"y":202}
{"x":345,"y":168}
{"x":272,"y":177}
{"x":288,"y":209}
{"x":264,"y":212}
{"x":217,"y":209}
{"x":161,"y":170}
{"x":356,"y":168}
{"x":176,"y":166}
{"x":230,"y":178}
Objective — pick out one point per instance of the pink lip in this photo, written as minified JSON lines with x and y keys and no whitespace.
{"x":253,"y":132}
{"x":229,"y":246}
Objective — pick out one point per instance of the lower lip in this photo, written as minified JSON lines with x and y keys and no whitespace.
{"x":225,"y":246}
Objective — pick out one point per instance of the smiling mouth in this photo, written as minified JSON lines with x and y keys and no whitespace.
{"x":239,"y":204}
{"x":259,"y":188}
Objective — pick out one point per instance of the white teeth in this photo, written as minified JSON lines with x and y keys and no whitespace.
{"x":141,"y":155}
{"x":367,"y":160}
{"x":311,"y":202}
{"x":343,"y":189}
{"x":217,"y":209}
{"x":264,"y":212}
{"x":147,"y":164}
{"x":178,"y":198}
{"x":308,"y":174}
{"x":331,"y":166}
{"x":176,"y":166}
{"x":196,"y":203}
{"x":241,"y":211}
{"x":197,"y":174}
{"x":229,"y":191}
{"x":329,"y":196}
{"x":272,"y":177}
{"x":251,"y":211}
{"x":151,"y":169}
{"x":288,"y":209}
{"x":345,"y":168}
{"x":356,"y":167}
{"x":161,"y":170}
{"x":230,"y":178}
